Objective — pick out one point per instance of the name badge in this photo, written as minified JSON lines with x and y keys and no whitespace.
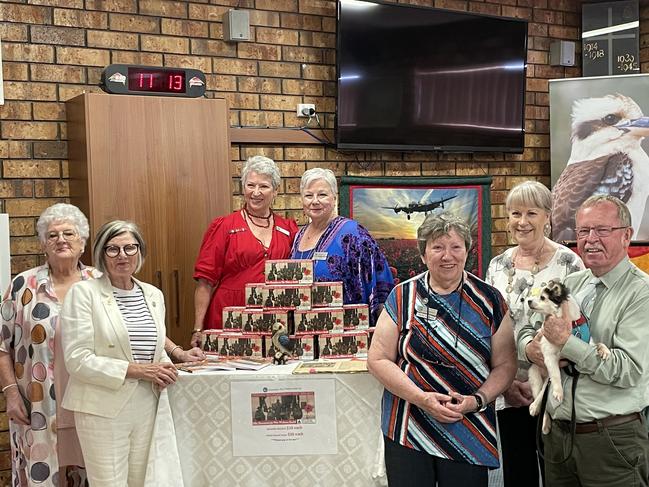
{"x":320,"y":256}
{"x":283,"y":230}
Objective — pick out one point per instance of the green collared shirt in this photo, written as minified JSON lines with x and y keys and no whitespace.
{"x":619,"y":320}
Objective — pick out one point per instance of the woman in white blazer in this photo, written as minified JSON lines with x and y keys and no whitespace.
{"x":113,"y":336}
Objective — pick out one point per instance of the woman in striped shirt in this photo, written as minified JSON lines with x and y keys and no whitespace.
{"x":444,"y":350}
{"x":113,"y":335}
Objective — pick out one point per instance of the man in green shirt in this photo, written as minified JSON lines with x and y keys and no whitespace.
{"x":610,"y":446}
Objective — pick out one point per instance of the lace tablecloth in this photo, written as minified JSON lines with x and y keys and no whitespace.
{"x":201,"y":410}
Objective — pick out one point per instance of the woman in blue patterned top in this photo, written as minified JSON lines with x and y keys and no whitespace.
{"x":444,"y":350}
{"x":341,"y":249}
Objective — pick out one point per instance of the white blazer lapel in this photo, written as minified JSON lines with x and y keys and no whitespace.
{"x":115,"y":317}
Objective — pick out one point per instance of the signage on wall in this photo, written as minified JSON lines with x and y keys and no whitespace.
{"x":610,"y":38}
{"x":129,"y":79}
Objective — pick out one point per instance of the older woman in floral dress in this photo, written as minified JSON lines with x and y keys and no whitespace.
{"x":30,"y":317}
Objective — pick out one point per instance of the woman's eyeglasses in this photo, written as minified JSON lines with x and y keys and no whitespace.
{"x":67,"y":235}
{"x":114,"y":250}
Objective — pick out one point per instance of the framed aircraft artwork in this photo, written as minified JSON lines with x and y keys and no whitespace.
{"x":392,"y":208}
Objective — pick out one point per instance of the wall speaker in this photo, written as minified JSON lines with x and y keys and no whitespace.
{"x":236,"y":25}
{"x":562,"y":53}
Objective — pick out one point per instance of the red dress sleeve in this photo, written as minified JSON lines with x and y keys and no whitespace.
{"x":211,"y":256}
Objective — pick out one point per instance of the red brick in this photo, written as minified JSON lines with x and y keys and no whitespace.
{"x":27,"y":14}
{"x":15,"y":189}
{"x":43,"y":34}
{"x":162,"y":8}
{"x":258,"y":17}
{"x":16,"y":110}
{"x":14,"y":90}
{"x":123,"y":6}
{"x":80,"y":19}
{"x":277,"y":36}
{"x":15,"y":71}
{"x":29,"y":207}
{"x":49,"y":111}
{"x":301,"y":22}
{"x":24,"y":169}
{"x":187,"y":28}
{"x":164,"y":44}
{"x":134,"y":23}
{"x":29,"y":130}
{"x":213,"y":48}
{"x":112,"y":40}
{"x":281,"y":70}
{"x":13,"y":32}
{"x":302,"y":54}
{"x":211,"y":13}
{"x":145,"y":58}
{"x":277,"y":5}
{"x":317,"y":7}
{"x":195,"y":62}
{"x":82,"y":56}
{"x":39,"y":53}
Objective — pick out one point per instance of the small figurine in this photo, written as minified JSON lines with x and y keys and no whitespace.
{"x":281,"y":342}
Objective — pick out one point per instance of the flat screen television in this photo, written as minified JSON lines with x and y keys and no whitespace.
{"x":419,"y":78}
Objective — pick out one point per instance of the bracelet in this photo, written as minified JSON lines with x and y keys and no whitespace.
{"x":171,"y":352}
{"x":197,"y":330}
{"x":8,"y":386}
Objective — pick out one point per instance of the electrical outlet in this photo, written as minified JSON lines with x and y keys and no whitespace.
{"x":305,"y":110}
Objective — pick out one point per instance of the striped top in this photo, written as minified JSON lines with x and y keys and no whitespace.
{"x":444,"y":345}
{"x":142,"y":331}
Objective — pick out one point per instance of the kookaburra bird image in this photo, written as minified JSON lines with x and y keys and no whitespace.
{"x":606,"y":158}
{"x":282,"y":343}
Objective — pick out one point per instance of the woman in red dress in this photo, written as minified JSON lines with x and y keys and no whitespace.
{"x":236,"y":246}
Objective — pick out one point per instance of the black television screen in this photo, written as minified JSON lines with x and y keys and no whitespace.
{"x":418,"y":78}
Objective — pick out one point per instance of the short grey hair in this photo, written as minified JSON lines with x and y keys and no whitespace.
{"x":531,"y":194}
{"x":62,"y":212}
{"x":110,"y":230}
{"x":623,"y":213}
{"x":316,"y":173}
{"x":437,"y":225}
{"x":262,"y":165}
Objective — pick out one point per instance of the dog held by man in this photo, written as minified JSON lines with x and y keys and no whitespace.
{"x":555,"y":300}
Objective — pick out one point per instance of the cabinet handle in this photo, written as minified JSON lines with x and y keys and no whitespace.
{"x":177,"y":310}
{"x":158,"y":278}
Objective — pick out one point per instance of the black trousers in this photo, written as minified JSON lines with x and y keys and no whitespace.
{"x":406,"y":467}
{"x":520,"y":462}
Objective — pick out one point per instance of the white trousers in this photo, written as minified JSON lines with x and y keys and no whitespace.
{"x":116,"y":450}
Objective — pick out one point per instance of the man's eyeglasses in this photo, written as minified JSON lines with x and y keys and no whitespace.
{"x":114,"y":250}
{"x":583,"y":232}
{"x":67,"y":235}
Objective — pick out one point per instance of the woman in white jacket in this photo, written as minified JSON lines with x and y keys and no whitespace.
{"x":113,"y":333}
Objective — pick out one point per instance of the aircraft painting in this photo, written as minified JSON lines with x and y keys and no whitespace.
{"x":413,"y":207}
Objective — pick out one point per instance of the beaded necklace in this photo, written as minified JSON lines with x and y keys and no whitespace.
{"x":250,"y":216}
{"x":511,"y":272}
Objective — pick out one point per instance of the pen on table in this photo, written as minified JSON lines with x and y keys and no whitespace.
{"x":185,"y":370}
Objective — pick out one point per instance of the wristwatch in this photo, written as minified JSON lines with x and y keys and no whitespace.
{"x":482,"y":404}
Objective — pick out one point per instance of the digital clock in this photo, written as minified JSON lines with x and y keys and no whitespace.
{"x":125,"y":79}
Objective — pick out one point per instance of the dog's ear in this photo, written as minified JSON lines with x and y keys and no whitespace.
{"x":557,"y":292}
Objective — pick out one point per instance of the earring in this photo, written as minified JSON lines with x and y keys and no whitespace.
{"x":547,"y":229}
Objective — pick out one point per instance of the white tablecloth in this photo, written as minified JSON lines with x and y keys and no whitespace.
{"x":201,"y":409}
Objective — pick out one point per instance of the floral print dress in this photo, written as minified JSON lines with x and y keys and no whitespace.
{"x":30,"y":317}
{"x":516,"y":285}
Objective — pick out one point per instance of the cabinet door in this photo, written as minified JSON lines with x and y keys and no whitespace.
{"x":163,"y":163}
{"x":198,"y":182}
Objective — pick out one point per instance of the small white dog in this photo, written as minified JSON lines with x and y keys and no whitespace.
{"x":555,"y":299}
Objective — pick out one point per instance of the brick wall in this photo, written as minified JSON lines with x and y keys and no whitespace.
{"x":55,"y":49}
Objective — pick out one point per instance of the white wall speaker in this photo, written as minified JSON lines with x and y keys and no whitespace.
{"x":562,"y":53}
{"x":236,"y":25}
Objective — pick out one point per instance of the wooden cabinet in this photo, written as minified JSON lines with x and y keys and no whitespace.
{"x":163,"y":163}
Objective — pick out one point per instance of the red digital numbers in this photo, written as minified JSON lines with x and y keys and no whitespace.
{"x":176,"y":82}
{"x":156,"y":80}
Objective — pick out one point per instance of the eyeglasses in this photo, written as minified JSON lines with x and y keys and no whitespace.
{"x":67,"y":235}
{"x":583,"y":232}
{"x":114,"y":250}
